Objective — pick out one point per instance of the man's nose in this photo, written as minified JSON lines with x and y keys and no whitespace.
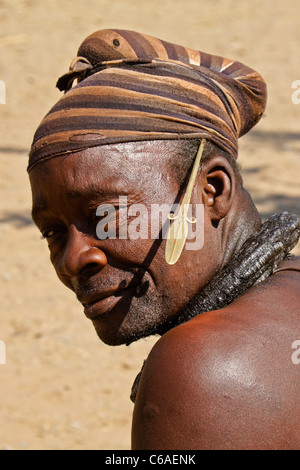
{"x":80,"y":255}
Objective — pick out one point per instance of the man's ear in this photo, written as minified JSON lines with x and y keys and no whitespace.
{"x":218,"y":185}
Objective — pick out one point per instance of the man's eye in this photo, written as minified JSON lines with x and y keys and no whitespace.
{"x":49,"y":233}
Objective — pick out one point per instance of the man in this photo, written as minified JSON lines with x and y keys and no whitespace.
{"x":152,"y":123}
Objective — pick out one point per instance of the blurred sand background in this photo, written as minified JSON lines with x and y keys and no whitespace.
{"x":61,"y":388}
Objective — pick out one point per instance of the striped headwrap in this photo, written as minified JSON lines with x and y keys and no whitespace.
{"x":133,"y":87}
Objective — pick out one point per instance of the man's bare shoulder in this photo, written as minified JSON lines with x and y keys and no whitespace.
{"x":225,"y":380}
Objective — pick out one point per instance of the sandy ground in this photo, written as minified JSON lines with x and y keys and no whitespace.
{"x":61,"y":388}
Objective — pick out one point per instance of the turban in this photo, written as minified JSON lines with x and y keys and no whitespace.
{"x":134,"y":87}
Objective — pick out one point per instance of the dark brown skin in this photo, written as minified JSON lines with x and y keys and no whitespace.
{"x":224,"y":380}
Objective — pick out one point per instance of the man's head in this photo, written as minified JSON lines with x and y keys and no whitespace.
{"x":132,"y":130}
{"x":139,"y":290}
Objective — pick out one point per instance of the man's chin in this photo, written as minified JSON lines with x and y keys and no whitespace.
{"x":130,"y":321}
{"x":123,"y":336}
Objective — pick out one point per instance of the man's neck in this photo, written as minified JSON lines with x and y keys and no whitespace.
{"x":258,"y":257}
{"x":242,"y":221}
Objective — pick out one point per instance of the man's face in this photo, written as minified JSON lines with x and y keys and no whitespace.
{"x":125,"y":285}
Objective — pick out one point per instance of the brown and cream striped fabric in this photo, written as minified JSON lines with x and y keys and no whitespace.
{"x":133,"y":87}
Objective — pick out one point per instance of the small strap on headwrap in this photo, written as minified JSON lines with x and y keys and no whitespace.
{"x":79,"y":69}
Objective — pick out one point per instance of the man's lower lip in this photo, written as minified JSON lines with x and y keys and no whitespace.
{"x":97,"y":309}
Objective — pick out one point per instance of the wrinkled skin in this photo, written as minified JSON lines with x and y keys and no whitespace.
{"x":224,"y":379}
{"x":66,"y":194}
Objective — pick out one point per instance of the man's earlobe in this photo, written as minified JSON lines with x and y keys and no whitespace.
{"x":219,"y":189}
{"x":210,"y":193}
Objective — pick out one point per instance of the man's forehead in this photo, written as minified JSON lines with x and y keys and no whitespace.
{"x":85,"y":193}
{"x":77,"y":176}
{"x":42,"y":201}
{"x":119,"y":163}
{"x":98,"y":173}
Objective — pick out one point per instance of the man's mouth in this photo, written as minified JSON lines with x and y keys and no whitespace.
{"x":94,"y":298}
{"x":99,"y":299}
{"x":97,"y":305}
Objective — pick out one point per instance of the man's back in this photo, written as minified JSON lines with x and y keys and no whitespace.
{"x":226,"y":379}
